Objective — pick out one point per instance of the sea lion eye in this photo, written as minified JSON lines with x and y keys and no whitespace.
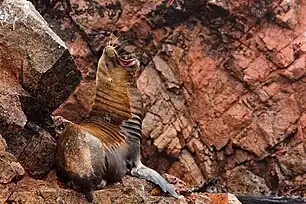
{"x":61,"y":127}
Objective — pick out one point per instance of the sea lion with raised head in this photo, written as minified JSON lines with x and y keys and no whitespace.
{"x":106,"y":144}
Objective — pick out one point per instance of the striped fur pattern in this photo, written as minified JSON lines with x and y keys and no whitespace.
{"x":109,"y":134}
{"x":107,"y":142}
{"x":117,"y":100}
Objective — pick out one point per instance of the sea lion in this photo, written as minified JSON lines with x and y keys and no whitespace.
{"x":106,"y":145}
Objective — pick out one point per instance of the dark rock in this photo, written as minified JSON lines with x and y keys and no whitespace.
{"x":37,"y":74}
{"x":38,"y":156}
{"x":55,"y":85}
{"x":35,"y":149}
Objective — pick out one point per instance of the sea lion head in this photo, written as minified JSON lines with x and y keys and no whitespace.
{"x":112,"y":66}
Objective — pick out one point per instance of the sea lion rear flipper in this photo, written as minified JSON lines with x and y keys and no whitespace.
{"x":143,"y":172}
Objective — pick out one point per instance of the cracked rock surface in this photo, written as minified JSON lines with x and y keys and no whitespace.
{"x":223,"y":83}
{"x":38,"y":74}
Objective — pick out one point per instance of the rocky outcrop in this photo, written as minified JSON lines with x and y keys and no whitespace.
{"x":36,"y":64}
{"x":223,"y":84}
{"x":37,"y":74}
{"x":130,"y":190}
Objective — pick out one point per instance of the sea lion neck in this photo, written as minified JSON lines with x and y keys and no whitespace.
{"x":113,"y":89}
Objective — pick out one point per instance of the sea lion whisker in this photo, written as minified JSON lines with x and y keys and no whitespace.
{"x":127,"y":55}
{"x":116,"y":41}
{"x":120,"y":49}
{"x":109,"y":40}
{"x":124,"y":54}
{"x":119,"y":44}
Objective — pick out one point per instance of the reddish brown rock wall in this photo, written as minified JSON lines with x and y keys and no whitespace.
{"x":223,"y":83}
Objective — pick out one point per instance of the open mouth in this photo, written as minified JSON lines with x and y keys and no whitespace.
{"x":131,"y":64}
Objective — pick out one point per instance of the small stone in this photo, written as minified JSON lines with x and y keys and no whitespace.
{"x":38,"y":156}
{"x":10,"y":169}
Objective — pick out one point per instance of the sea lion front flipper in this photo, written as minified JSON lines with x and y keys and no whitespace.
{"x":143,"y":172}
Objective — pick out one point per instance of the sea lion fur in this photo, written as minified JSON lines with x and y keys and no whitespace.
{"x":106,"y":145}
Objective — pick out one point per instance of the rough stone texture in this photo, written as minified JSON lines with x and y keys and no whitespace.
{"x":243,"y":181}
{"x":34,"y":148}
{"x":223,"y":84}
{"x":3,"y":145}
{"x":37,"y":74}
{"x":38,"y":156}
{"x":10,"y":168}
{"x":38,"y":70}
{"x":130,"y":190}
{"x":6,"y":191}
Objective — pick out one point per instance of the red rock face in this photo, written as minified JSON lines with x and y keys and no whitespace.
{"x":223,"y":83}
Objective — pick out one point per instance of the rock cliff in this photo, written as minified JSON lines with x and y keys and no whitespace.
{"x":223,"y":84}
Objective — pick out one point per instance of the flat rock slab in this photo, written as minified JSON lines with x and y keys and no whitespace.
{"x":270,"y":199}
